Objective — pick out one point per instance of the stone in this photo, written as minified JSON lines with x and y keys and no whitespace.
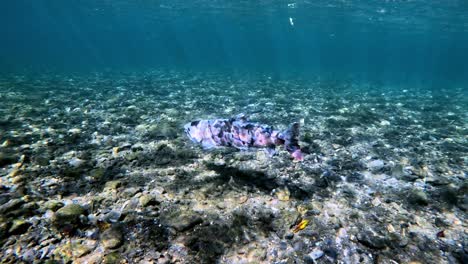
{"x":283,"y":194}
{"x":113,"y":185}
{"x":148,"y":200}
{"x":98,"y":174}
{"x":316,"y":254}
{"x":112,"y":238}
{"x":368,"y":239}
{"x":53,"y":205}
{"x":11,"y":205}
{"x":80,"y":250}
{"x":7,"y":159}
{"x":19,"y":226}
{"x":130,"y":192}
{"x":42,"y":160}
{"x":112,"y":258}
{"x":185,"y":221}
{"x":375,"y":165}
{"x":70,"y":214}
{"x":418,"y":197}
{"x":4,"y":227}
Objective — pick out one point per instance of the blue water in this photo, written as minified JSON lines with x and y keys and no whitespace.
{"x":411,"y":42}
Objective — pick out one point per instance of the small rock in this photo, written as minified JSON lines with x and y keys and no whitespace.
{"x":418,"y":197}
{"x":316,"y":254}
{"x":370,"y":240}
{"x":76,"y":163}
{"x":130,"y":192}
{"x":283,"y":194}
{"x":148,"y":200}
{"x":375,"y":165}
{"x":112,"y":258}
{"x":11,"y":205}
{"x":80,"y":250}
{"x":186,"y":221}
{"x":97,"y":174}
{"x":42,"y":160}
{"x":289,"y":235}
{"x":69,"y":214}
{"x":53,"y":205}
{"x":113,"y":185}
{"x":19,"y":226}
{"x":112,"y":238}
{"x":7,"y":159}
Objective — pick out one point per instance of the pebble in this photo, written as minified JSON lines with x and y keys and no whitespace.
{"x":69,"y":214}
{"x":112,"y":238}
{"x":375,"y":165}
{"x":316,"y":254}
{"x":418,"y":197}
{"x":19,"y":226}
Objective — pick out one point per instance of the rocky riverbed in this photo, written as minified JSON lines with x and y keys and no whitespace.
{"x":97,"y":169}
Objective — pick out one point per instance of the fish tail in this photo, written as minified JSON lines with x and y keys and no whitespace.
{"x":291,"y":141}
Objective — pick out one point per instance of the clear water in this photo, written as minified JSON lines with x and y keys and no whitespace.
{"x":386,"y":41}
{"x":95,"y":165}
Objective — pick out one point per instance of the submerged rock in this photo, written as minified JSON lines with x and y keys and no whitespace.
{"x":112,"y":238}
{"x":18,"y":227}
{"x":7,"y":159}
{"x":418,"y":197}
{"x":368,"y":239}
{"x":375,"y":165}
{"x":70,"y":214}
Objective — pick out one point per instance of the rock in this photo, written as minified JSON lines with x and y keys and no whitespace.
{"x":4,"y":227}
{"x":53,"y":205}
{"x":375,"y":165}
{"x":112,"y":258}
{"x":289,"y":235}
{"x":183,"y":221}
{"x":11,"y":205}
{"x":19,"y":226}
{"x":112,"y":238}
{"x":418,"y":197}
{"x":42,"y":160}
{"x":7,"y":159}
{"x":70,"y":214}
{"x":283,"y":194}
{"x":98,"y":174}
{"x":80,"y":250}
{"x":130,"y":192}
{"x":316,"y":254}
{"x":368,"y":239}
{"x":113,"y":216}
{"x":148,"y":200}
{"x":397,"y":171}
{"x":76,"y":162}
{"x":113,"y":185}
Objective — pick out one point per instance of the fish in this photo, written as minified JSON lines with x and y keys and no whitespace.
{"x":240,"y":133}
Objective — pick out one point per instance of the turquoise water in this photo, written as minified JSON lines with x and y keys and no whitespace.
{"x":386,"y":41}
{"x":95,"y":165}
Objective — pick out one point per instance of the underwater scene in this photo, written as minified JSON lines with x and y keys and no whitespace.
{"x":234,"y":131}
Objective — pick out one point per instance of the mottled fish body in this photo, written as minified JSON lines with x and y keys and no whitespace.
{"x":240,"y":133}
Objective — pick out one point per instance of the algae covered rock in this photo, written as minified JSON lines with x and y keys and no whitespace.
{"x":112,"y":238}
{"x":148,"y":200}
{"x":418,"y":197}
{"x":70,"y":214}
{"x":53,"y":205}
{"x":112,"y":258}
{"x":19,"y":226}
